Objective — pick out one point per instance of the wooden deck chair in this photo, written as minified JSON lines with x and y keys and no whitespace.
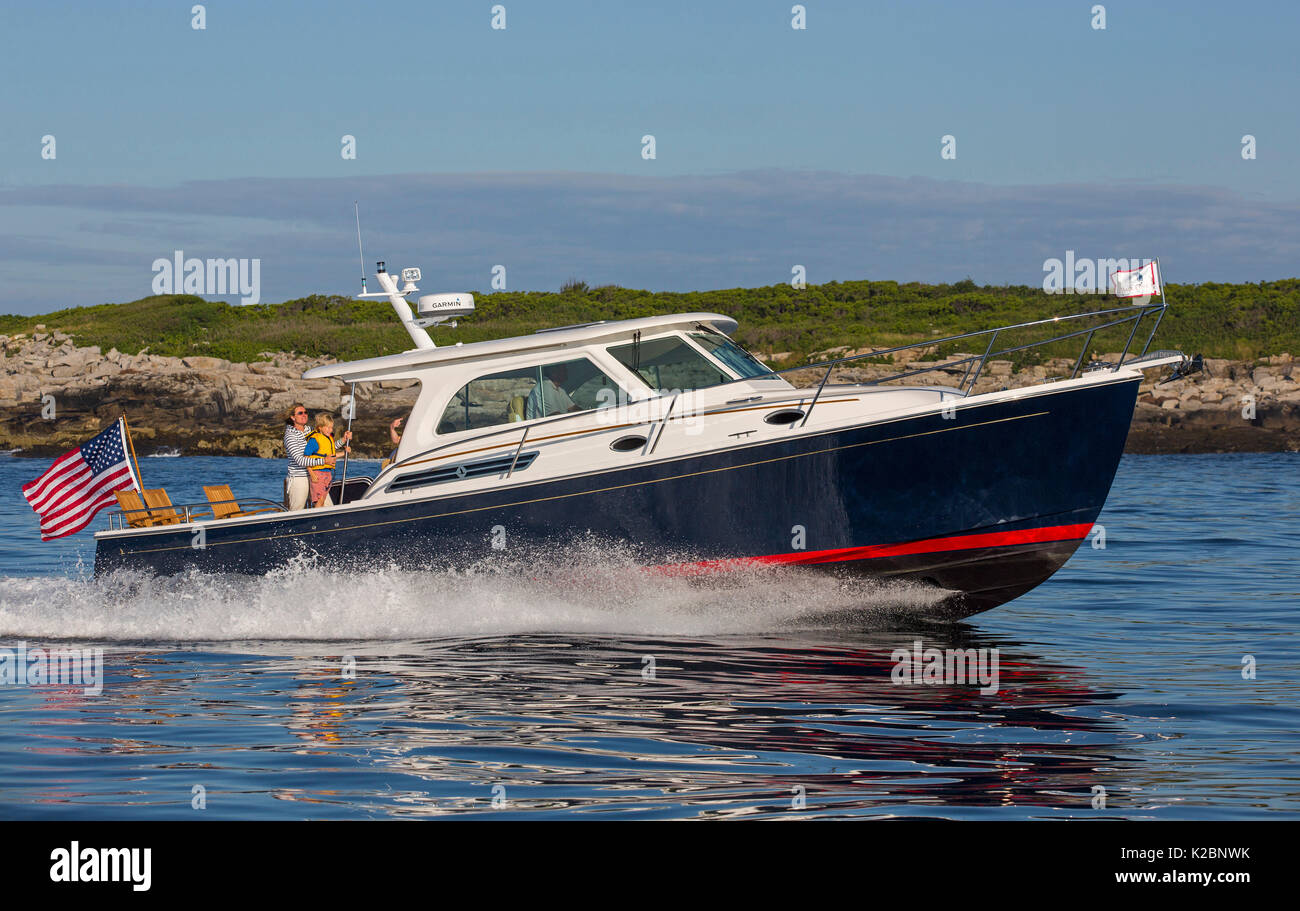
{"x":133,"y":508}
{"x":161,"y":511}
{"x":224,"y":505}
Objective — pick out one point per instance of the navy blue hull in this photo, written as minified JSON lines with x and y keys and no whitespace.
{"x":988,"y":504}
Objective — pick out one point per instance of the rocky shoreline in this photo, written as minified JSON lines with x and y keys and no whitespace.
{"x":55,"y":395}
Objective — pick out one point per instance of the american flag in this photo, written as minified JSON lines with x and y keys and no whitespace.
{"x":81,"y":483}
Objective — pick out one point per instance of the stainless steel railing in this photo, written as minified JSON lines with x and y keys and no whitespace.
{"x":184,"y":513}
{"x":1135,"y":315}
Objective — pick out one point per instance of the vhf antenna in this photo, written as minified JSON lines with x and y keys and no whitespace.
{"x":356,"y":206}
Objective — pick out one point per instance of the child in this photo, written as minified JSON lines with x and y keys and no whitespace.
{"x":321,"y":443}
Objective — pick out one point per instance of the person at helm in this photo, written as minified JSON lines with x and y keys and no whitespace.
{"x":548,"y":397}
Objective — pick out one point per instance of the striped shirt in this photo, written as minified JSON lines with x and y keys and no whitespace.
{"x":295,"y":443}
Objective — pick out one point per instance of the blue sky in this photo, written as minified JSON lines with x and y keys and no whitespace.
{"x":523,"y":146}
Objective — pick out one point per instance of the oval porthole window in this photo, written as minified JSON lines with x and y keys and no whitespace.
{"x":783,"y":417}
{"x":627,"y":444}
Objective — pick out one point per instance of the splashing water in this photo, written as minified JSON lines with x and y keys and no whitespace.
{"x":589,"y":589}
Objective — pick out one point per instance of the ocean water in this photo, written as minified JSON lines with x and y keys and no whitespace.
{"x":1160,"y":672}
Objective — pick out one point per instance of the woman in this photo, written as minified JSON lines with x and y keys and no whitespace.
{"x":296,"y":484}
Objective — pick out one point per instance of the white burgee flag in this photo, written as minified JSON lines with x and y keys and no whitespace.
{"x":1136,"y":282}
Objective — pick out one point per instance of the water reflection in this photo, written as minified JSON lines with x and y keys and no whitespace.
{"x":791,"y":725}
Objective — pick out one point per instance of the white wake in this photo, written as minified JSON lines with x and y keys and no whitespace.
{"x":588,"y":592}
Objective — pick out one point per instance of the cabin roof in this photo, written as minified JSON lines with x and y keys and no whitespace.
{"x":394,"y":365}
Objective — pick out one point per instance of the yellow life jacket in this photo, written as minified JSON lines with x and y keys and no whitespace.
{"x":324,"y":444}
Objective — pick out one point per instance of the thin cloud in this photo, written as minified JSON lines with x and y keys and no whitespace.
{"x":669,"y":233}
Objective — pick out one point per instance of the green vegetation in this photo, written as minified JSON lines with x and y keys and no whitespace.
{"x":1242,"y":321}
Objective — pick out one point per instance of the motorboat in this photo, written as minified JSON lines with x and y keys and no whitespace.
{"x":665,"y":436}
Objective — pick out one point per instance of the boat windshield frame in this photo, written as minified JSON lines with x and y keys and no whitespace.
{"x":740,"y":361}
{"x":677,"y":341}
{"x":692,"y":340}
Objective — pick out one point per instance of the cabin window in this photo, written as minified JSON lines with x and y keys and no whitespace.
{"x":669,"y":363}
{"x":732,"y":355}
{"x":526,"y":393}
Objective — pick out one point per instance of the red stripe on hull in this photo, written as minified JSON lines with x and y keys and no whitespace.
{"x":875,"y":551}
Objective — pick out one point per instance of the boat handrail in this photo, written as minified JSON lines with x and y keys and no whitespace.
{"x":512,"y":428}
{"x":529,"y":428}
{"x":189,"y":512}
{"x":1136,"y":313}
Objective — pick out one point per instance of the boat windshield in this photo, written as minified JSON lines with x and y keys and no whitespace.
{"x":669,"y":363}
{"x":732,"y":355}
